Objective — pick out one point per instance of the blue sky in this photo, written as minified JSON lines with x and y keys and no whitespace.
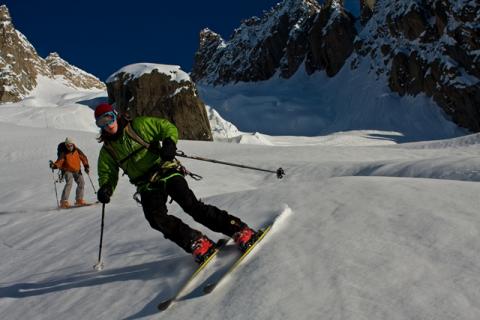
{"x":102,"y":36}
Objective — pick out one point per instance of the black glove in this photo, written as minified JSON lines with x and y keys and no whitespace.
{"x":87,"y":170}
{"x":104,"y":194}
{"x":168,"y":150}
{"x":52,"y":165}
{"x":155,"y":147}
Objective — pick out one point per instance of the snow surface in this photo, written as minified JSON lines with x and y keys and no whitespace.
{"x":318,"y":105}
{"x":53,"y":104}
{"x":366,"y":228}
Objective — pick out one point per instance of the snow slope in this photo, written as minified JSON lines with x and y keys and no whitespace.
{"x":317,"y":105}
{"x":53,"y":104}
{"x":366,"y":228}
{"x":376,"y":232}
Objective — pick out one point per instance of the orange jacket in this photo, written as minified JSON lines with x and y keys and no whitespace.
{"x":70,"y":160}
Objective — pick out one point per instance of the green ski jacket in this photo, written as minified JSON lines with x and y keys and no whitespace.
{"x":126,"y":153}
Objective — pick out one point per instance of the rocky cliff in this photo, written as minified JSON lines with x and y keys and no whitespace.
{"x":72,"y":75}
{"x":20,"y":65}
{"x":259,"y":47}
{"x":416,"y":46}
{"x":430,"y":47}
{"x":293,"y":33}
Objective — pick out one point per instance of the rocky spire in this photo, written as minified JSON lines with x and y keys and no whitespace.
{"x":74,"y":76}
{"x":20,"y":65}
{"x":19,"y":62}
{"x":258,"y":48}
{"x":331,"y":38}
{"x":5,"y":15}
{"x":210,"y":42}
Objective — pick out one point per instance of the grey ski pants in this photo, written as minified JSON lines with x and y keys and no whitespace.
{"x":69,"y":177}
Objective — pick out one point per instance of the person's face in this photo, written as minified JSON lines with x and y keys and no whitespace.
{"x":108,"y":123}
{"x":112,"y":128}
{"x":69,"y":146}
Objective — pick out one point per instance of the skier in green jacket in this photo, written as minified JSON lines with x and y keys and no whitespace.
{"x":157,"y":174}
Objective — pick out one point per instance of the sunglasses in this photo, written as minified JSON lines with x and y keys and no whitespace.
{"x":106,"y":120}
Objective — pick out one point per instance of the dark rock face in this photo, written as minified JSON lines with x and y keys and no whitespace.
{"x":366,"y":10}
{"x":410,"y":25}
{"x":291,"y":33}
{"x":161,"y":94}
{"x":209,"y":42}
{"x":407,"y":74}
{"x":331,"y":40}
{"x":259,"y":47}
{"x":294,"y":32}
{"x":432,"y":49}
{"x":19,"y":62}
{"x":418,"y":46}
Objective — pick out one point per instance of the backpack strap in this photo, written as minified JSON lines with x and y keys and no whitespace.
{"x":111,"y":151}
{"x":132,"y":134}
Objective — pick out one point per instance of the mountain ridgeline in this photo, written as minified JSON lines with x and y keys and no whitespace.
{"x":416,"y":46}
{"x":20,"y":65}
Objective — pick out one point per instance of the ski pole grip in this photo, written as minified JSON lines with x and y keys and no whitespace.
{"x":280,"y":173}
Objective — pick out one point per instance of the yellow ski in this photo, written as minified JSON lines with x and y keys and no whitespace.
{"x":168,"y":302}
{"x":261,"y":234}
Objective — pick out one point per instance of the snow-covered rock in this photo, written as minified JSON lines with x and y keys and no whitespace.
{"x":147,"y":89}
{"x":72,"y":75}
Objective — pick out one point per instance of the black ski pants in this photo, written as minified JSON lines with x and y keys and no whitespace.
{"x":174,"y":229}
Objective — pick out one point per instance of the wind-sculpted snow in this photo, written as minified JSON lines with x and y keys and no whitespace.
{"x":374,"y":229}
{"x":317,"y":105}
{"x":390,"y":244}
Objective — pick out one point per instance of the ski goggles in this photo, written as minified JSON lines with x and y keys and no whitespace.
{"x":106,"y":119}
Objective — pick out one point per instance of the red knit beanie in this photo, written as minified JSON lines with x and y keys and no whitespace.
{"x":103,"y":108}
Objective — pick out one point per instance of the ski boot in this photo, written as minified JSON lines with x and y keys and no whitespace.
{"x":245,"y":238}
{"x":80,"y":202}
{"x":202,"y":248}
{"x":64,"y":204}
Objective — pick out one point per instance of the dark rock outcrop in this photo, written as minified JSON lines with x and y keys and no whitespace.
{"x":366,"y":10}
{"x":292,"y":33}
{"x":163,"y":91}
{"x":429,"y":47}
{"x":19,"y":62}
{"x":259,"y":47}
{"x":331,"y":39}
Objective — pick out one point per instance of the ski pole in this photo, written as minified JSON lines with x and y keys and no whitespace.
{"x":95,"y":191}
{"x":99,"y":265}
{"x":280,"y":172}
{"x":55,"y":185}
